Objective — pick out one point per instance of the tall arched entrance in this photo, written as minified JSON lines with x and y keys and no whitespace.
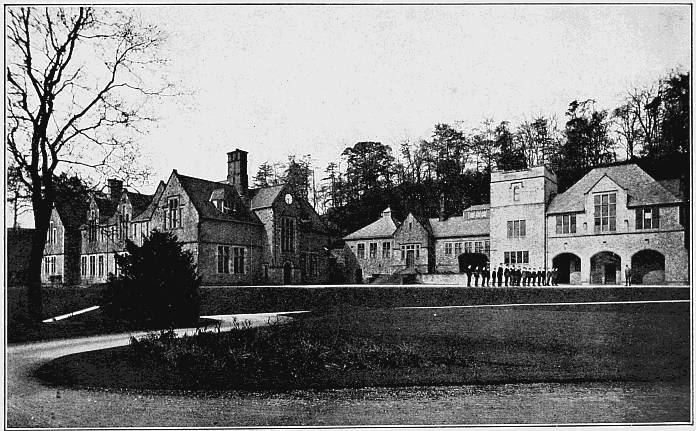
{"x":568,"y":265}
{"x":473,"y":259}
{"x":287,"y":273}
{"x":648,"y":267}
{"x":605,"y":268}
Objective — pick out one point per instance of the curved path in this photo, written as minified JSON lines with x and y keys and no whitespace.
{"x":32,"y":404}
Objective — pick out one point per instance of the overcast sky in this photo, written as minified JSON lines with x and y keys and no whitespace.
{"x":279,"y":80}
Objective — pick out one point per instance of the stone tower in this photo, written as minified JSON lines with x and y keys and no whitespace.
{"x":518,"y":215}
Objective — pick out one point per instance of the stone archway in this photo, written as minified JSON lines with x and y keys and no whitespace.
{"x":648,"y":267}
{"x":473,"y":259}
{"x":568,"y":265}
{"x":605,"y":268}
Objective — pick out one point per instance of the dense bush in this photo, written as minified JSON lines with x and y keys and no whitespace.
{"x":157,"y":284}
{"x":280,"y":356}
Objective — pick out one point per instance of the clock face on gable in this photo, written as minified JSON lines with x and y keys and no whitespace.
{"x":288,"y":199}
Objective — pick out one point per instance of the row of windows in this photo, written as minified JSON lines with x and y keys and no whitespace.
{"x":231,"y":260}
{"x":515,"y":257}
{"x":605,"y":217}
{"x":386,"y":250}
{"x":469,"y":247}
{"x":94,"y":265}
{"x":516,"y":228}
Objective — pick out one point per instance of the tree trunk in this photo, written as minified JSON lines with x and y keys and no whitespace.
{"x":38,"y":242}
{"x":34,"y":300}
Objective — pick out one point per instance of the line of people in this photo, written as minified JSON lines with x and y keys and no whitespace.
{"x":511,"y":275}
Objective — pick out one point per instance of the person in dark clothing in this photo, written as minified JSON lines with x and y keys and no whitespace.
{"x":532,"y":276}
{"x":549,"y":275}
{"x":468,"y":276}
{"x":628,"y":275}
{"x":539,"y":276}
{"x":486,"y":274}
{"x":554,"y":276}
{"x":506,"y":273}
{"x":514,"y":272}
{"x":526,"y":273}
{"x":500,"y":275}
{"x":477,"y":273}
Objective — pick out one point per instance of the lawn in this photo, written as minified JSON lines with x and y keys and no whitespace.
{"x":357,"y":347}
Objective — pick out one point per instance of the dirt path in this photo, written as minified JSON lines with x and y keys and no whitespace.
{"x":32,"y":404}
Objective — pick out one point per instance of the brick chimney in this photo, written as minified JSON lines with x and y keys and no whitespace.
{"x":442,"y":215}
{"x":237,"y":171}
{"x":115,"y":188}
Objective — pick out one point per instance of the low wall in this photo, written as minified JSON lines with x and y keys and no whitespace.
{"x":258,"y":299}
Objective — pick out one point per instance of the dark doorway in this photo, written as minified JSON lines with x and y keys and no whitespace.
{"x":566,"y":263}
{"x":358,"y":276}
{"x":473,"y":259}
{"x":604,"y":268}
{"x":287,"y":273}
{"x":650,"y":263}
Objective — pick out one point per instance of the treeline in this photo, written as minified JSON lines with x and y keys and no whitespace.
{"x":651,"y":125}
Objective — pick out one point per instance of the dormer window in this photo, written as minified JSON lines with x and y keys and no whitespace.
{"x":222,"y":205}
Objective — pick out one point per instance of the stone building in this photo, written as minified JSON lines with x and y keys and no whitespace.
{"x":106,"y":229}
{"x":61,"y":261}
{"x":237,"y":235}
{"x":242,"y":236}
{"x":615,"y":216}
{"x":421,"y":246}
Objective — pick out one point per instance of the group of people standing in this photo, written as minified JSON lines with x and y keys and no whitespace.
{"x":511,"y":276}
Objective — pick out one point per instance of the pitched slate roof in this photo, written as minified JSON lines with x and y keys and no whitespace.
{"x":479,"y":207}
{"x":107,"y":208}
{"x":139,"y":202}
{"x":199,"y":191}
{"x":152,"y":206}
{"x":383,"y":227}
{"x":73,"y":215}
{"x":459,"y":227}
{"x":641,"y":188}
{"x":264,"y":197}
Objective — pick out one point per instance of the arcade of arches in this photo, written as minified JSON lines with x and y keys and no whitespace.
{"x":606,"y":267}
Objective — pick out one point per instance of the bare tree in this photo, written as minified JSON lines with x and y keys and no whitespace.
{"x":17,"y":194}
{"x":76,"y":93}
{"x":627,"y":128}
{"x":645,"y":105}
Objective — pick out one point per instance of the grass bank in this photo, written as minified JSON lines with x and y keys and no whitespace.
{"x":369,"y":347}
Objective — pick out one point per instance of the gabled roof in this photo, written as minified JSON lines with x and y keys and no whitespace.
{"x":641,"y":188}
{"x":199,"y":192}
{"x":107,"y":208}
{"x":460,"y":227}
{"x":73,"y":215}
{"x":421,"y":220}
{"x":139,"y":202}
{"x":383,"y":227}
{"x":152,"y":206}
{"x":264,"y":197}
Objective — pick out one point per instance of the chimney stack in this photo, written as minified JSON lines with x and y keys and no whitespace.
{"x":442,"y":207}
{"x":115,"y":188}
{"x":237,"y":171}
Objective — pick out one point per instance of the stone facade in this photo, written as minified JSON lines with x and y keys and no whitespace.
{"x":237,"y":236}
{"x":614,"y":217}
{"x":62,"y":248}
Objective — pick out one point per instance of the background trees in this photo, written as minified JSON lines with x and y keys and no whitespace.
{"x":76,"y":88}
